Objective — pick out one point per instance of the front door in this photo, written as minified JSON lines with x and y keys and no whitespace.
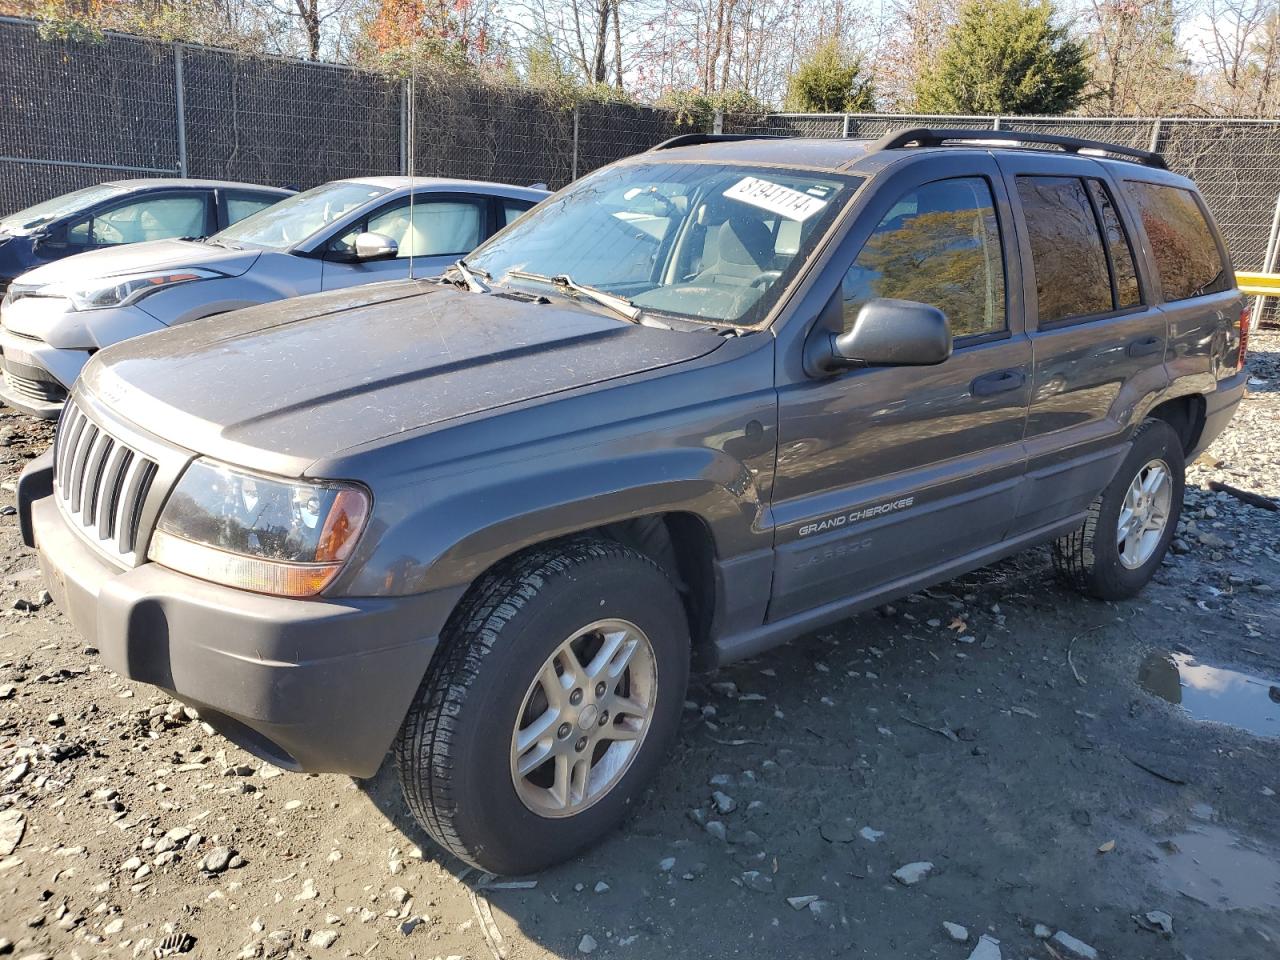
{"x":438,"y":230}
{"x":889,"y":473}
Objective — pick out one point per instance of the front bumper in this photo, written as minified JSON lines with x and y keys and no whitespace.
{"x":36,"y":375}
{"x":319,"y":686}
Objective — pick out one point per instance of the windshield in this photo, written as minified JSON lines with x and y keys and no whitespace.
{"x":291,"y":221}
{"x":33,"y":218}
{"x":712,"y":242}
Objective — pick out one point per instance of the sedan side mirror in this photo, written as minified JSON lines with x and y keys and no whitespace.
{"x":375,"y":246}
{"x":886,"y":333}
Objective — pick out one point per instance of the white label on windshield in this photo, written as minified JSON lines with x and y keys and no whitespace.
{"x":775,"y":198}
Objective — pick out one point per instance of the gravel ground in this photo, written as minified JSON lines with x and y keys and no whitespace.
{"x":995,"y":754}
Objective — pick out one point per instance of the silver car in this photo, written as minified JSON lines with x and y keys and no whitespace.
{"x":340,"y":234}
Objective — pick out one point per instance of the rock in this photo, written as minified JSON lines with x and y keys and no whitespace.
{"x":411,"y":925}
{"x":988,"y":948}
{"x":755,"y":880}
{"x":587,"y":944}
{"x":870,"y":835}
{"x":956,"y":932}
{"x":217,"y":860}
{"x":323,"y":939}
{"x":1074,"y":947}
{"x":724,"y":802}
{"x":667,"y":864}
{"x":12,"y":825}
{"x":799,"y":903}
{"x":913,"y":873}
{"x":309,"y":891}
{"x":1161,"y":921}
{"x":56,"y":720}
{"x":1042,"y":932}
{"x":601,"y":887}
{"x":113,"y":927}
{"x":398,"y":895}
{"x":7,"y":691}
{"x":716,"y":829}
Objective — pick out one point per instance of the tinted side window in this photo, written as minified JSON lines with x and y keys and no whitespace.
{"x":511,"y":209}
{"x":1066,"y":248}
{"x":939,"y":244}
{"x":1186,"y":253}
{"x":155,"y":218}
{"x":240,"y":205}
{"x":1118,"y":246}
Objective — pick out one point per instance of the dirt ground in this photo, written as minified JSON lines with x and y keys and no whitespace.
{"x":1014,"y":736}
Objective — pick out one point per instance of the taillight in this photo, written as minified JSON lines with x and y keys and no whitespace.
{"x":1245,"y":316}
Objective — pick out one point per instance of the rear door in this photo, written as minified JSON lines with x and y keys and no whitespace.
{"x":438,"y":230}
{"x":1098,"y":339}
{"x":886,"y":474}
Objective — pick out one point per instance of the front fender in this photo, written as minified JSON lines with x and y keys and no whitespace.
{"x":482,"y":518}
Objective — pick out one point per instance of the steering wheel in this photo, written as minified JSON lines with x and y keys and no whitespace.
{"x":105,"y":232}
{"x":766,"y":279}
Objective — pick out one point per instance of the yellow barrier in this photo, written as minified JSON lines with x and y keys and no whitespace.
{"x":1258,"y":284}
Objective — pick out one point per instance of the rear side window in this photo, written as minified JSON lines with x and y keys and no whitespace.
{"x":940,"y":245}
{"x":1067,"y":253}
{"x":241,"y":205}
{"x":511,"y":210}
{"x":1118,"y":247}
{"x":1187,"y":255}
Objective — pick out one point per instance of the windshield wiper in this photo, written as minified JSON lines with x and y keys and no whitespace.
{"x":471,"y":276}
{"x":619,"y":305}
{"x":225,"y":244}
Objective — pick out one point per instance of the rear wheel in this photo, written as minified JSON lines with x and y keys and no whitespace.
{"x":1118,"y":548}
{"x":550,"y":705}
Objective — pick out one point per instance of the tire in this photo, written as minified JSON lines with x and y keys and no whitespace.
{"x":458,"y":749}
{"x":1094,"y":558}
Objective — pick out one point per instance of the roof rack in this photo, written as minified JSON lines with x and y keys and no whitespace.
{"x":938,"y":137}
{"x":693,"y":139}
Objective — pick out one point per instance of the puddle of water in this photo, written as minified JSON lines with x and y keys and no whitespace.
{"x":1211,"y":693}
{"x":1211,"y":866}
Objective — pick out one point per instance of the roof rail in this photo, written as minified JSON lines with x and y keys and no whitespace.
{"x":693,"y":139}
{"x":939,"y":136}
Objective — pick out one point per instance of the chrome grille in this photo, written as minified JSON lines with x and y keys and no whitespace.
{"x":101,"y":483}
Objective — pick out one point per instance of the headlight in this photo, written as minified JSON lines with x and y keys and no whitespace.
{"x":284,"y":537}
{"x":101,"y":292}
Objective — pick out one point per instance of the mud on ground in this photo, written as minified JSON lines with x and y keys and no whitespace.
{"x":1014,"y":736}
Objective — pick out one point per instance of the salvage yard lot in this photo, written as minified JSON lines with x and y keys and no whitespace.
{"x":1014,"y":736}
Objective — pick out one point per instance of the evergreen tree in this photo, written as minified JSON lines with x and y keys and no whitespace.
{"x":830,"y":81}
{"x":1006,"y":56}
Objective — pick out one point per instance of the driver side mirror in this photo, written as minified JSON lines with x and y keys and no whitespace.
{"x":886,"y":333}
{"x":375,"y":246}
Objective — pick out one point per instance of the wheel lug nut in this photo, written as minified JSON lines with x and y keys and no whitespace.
{"x":604,"y":717}
{"x":576,"y":697}
{"x":581,"y":744}
{"x":600,"y":688}
{"x":564,"y":730}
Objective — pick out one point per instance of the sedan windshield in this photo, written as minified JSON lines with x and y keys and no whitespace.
{"x":291,"y":221}
{"x":712,"y":242}
{"x":33,"y":218}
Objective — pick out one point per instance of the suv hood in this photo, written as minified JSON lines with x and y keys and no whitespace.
{"x":279,"y":386}
{"x":136,"y":257}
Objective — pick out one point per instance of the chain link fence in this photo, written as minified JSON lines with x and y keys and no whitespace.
{"x":78,"y":112}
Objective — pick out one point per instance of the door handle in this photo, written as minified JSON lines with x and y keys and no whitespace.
{"x":992,"y":383}
{"x":1146,"y":346}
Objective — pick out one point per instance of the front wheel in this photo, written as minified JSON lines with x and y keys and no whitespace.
{"x":1117,"y":549}
{"x":550,"y":705}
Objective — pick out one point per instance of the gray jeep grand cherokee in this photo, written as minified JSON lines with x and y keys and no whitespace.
{"x":698,"y":402}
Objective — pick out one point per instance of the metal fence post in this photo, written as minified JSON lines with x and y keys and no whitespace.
{"x":1155,"y":136}
{"x":1273,"y":239}
{"x":576,"y":119}
{"x":844,"y":130}
{"x":180,"y":104}
{"x":404,"y":128}
{"x":995,"y":122}
{"x":717,"y":122}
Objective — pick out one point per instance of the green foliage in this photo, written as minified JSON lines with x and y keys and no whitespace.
{"x":830,"y":81}
{"x":693,"y":108}
{"x":1006,"y":56}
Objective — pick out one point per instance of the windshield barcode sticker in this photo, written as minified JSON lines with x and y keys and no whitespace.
{"x":775,"y":198}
